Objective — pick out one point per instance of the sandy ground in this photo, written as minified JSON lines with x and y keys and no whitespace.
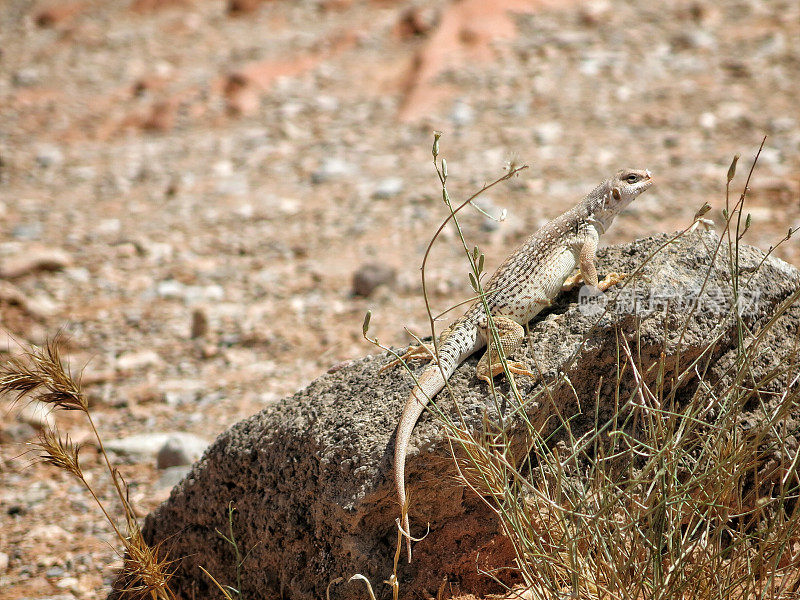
{"x":168,"y":162}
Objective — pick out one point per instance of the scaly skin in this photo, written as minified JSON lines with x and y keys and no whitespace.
{"x":522,"y":286}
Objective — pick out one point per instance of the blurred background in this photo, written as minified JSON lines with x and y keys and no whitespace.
{"x":206,"y":196}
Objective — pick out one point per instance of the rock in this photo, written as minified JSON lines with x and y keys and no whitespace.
{"x":34,"y":260}
{"x":133,"y":361}
{"x":170,"y":288}
{"x":39,"y":307}
{"x":311,"y":477}
{"x":49,"y":156}
{"x":242,"y":7}
{"x":708,"y":120}
{"x":25,"y":77}
{"x":416,"y":21}
{"x":331,"y":169}
{"x":58,"y":14}
{"x":55,"y":571}
{"x":3,"y":562}
{"x":150,"y":445}
{"x":370,"y":276}
{"x":462,"y":113}
{"x":68,"y":583}
{"x":27,"y":231}
{"x":547,"y":133}
{"x":388,"y":188}
{"x":199,"y":324}
{"x":180,"y":451}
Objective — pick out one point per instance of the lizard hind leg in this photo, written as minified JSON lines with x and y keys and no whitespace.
{"x":511,"y":336}
{"x":422,"y":351}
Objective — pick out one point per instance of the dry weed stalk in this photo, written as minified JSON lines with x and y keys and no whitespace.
{"x":41,"y":376}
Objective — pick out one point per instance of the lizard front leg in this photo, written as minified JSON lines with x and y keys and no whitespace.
{"x":588,"y":270}
{"x":511,"y":336}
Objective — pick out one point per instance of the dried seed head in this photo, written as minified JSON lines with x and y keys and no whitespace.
{"x":59,"y":452}
{"x":43,"y":373}
{"x":732,"y":168}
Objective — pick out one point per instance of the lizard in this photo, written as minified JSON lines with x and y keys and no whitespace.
{"x":522,"y":286}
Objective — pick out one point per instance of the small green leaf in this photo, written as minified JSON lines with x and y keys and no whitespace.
{"x":473,"y":282}
{"x":480,"y":263}
{"x":725,"y":213}
{"x":747,"y":221}
{"x":475,"y":253}
{"x":365,"y":326}
{"x":732,"y":168}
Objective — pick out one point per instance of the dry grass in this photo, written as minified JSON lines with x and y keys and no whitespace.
{"x":42,"y":376}
{"x":671,"y":499}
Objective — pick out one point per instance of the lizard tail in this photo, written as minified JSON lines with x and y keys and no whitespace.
{"x":430,"y":383}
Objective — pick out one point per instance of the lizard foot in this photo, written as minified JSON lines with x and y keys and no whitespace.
{"x":516,"y":368}
{"x":414,"y":352}
{"x":571,"y":282}
{"x":611,"y":279}
{"x":511,"y":335}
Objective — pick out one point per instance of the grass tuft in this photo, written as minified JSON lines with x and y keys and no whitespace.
{"x":40,"y":375}
{"x":676,"y":495}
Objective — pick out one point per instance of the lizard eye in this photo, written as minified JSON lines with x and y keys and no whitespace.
{"x":632,"y":178}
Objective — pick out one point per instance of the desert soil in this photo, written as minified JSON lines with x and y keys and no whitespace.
{"x":187,"y":188}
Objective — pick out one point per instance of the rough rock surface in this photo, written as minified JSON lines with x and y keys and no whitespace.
{"x":311,"y":477}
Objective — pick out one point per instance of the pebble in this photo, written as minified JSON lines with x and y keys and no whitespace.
{"x":548,"y":133}
{"x":708,"y":120}
{"x":175,"y":290}
{"x":370,"y":276}
{"x":68,"y":583}
{"x":199,"y":324}
{"x":49,"y":156}
{"x":149,"y":445}
{"x":132,"y":361}
{"x":54,"y":572}
{"x":331,"y":169}
{"x":177,"y":452}
{"x":26,"y":77}
{"x":170,"y":288}
{"x":27,"y":231}
{"x":46,"y":259}
{"x":388,"y":188}
{"x":462,"y":113}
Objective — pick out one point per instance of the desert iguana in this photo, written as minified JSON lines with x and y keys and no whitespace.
{"x":522,"y":286}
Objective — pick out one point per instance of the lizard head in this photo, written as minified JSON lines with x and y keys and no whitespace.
{"x":620,"y":191}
